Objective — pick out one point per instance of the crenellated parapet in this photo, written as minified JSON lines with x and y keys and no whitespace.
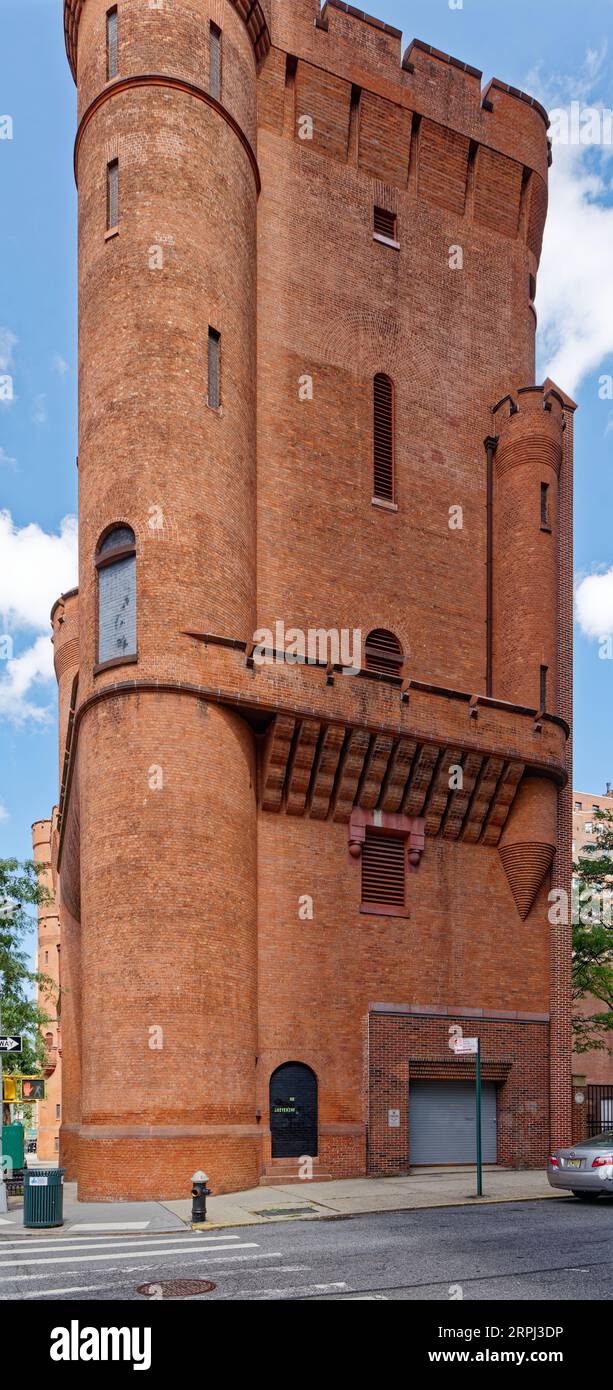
{"x":420,"y":122}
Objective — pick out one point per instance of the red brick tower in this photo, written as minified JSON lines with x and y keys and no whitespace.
{"x":307,"y":266}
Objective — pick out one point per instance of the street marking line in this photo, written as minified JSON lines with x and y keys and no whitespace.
{"x":289,"y":1293}
{"x":110,"y":1225}
{"x":55,"y":1293}
{"x":129,"y":1255}
{"x":125,"y":1269}
{"x":107,"y":1243}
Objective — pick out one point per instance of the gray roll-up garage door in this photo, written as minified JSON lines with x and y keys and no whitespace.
{"x":442,"y":1122}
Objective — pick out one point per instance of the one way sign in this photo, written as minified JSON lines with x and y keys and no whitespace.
{"x":10,"y":1044}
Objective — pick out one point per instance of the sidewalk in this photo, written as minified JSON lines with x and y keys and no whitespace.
{"x":430,"y":1187}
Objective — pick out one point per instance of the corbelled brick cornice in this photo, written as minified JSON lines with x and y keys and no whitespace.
{"x":249,"y":10}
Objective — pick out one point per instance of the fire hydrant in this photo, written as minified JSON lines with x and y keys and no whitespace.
{"x":200,"y":1192}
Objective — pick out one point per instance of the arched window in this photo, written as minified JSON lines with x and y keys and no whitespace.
{"x":383,"y":438}
{"x":116,"y":565}
{"x":383,"y":653}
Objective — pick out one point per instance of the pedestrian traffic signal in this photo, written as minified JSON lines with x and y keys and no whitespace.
{"x":9,"y":1089}
{"x":32,"y":1088}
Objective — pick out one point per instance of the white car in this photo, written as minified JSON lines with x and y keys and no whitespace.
{"x":586,"y":1169}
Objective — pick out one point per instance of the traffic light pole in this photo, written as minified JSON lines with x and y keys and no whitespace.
{"x":3,"y":1201}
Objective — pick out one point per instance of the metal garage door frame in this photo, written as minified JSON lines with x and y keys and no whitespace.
{"x":429,"y":1126}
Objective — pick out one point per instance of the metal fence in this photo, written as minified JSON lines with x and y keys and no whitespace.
{"x":599,"y":1109}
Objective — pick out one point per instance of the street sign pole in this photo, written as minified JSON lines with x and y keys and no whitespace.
{"x":478,"y":1108}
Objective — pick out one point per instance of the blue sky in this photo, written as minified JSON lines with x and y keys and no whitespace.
{"x":557,"y":49}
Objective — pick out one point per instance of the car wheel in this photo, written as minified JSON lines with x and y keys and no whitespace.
{"x":586,"y":1196}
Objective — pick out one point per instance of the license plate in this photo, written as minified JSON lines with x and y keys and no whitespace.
{"x":573,"y":1162}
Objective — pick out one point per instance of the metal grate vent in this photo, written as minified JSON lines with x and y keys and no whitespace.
{"x":383,"y":870}
{"x":383,"y":438}
{"x":383,"y":653}
{"x":386,"y":224}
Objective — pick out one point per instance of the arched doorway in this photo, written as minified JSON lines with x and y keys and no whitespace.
{"x":293,"y":1111}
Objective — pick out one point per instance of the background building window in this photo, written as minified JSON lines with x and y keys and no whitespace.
{"x":116,"y":565}
{"x":112,"y":35}
{"x":112,"y":195}
{"x":384,"y":874}
{"x":383,"y":438}
{"x":383,"y":653}
{"x":215,"y":62}
{"x":214,"y":369}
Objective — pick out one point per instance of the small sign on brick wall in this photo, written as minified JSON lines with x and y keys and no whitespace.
{"x":393,"y":1119}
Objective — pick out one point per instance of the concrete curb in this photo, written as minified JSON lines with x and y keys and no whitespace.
{"x":375,"y":1211}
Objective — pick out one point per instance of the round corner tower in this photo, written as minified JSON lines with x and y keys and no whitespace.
{"x":168,"y":186}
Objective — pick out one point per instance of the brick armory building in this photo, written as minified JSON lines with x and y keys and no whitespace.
{"x":307,"y":266}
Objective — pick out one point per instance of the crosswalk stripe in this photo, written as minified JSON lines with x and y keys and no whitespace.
{"x":99,"y":1288}
{"x":114,"y":1255}
{"x":209,"y":1261}
{"x":110,"y":1225}
{"x":107,"y":1243}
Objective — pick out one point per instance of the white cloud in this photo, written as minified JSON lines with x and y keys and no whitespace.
{"x":575,"y":285}
{"x":59,"y":364}
{"x":35,"y":567}
{"x":575,"y":288}
{"x":594,"y":604}
{"x":5,"y":460}
{"x":4,"y":815}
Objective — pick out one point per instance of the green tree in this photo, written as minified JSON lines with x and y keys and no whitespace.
{"x":21,"y":1013}
{"x":593,"y":939}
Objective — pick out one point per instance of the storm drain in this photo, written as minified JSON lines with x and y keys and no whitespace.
{"x":288,"y":1211}
{"x":176,"y":1288}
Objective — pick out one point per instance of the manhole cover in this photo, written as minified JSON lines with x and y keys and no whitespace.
{"x":176,"y":1288}
{"x":288,"y":1211}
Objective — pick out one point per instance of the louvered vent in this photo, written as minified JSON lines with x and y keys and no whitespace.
{"x":383,"y":653}
{"x":384,"y":438}
{"x":385,"y":224}
{"x":383,"y":872}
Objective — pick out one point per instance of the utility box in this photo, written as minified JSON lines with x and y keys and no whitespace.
{"x":12,"y":1148}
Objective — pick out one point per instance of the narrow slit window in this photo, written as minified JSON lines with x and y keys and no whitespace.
{"x":383,"y":439}
{"x":214,"y":369}
{"x":385,"y":225}
{"x":215,"y":62}
{"x":545,"y":504}
{"x":112,"y":51}
{"x":384,"y":874}
{"x":543,"y":689}
{"x":112,"y":195}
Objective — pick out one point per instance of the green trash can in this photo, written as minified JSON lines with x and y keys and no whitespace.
{"x":43,"y":1197}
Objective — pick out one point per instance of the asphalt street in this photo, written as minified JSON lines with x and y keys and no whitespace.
{"x":523,"y":1250}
